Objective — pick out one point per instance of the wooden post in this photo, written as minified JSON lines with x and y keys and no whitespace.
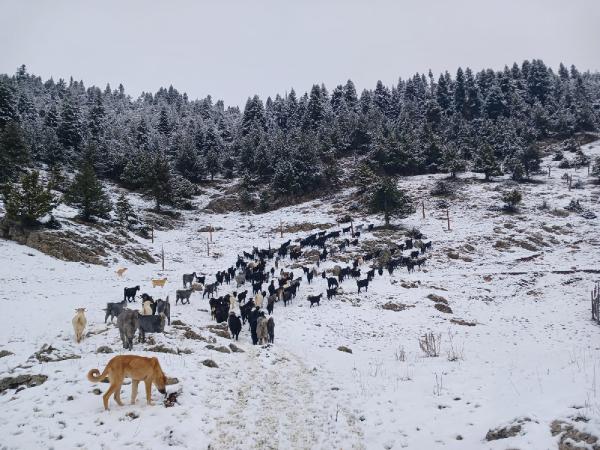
{"x":588,"y":169}
{"x":549,"y":171}
{"x":448,"y":217}
{"x":570,"y":181}
{"x":162,"y":256}
{"x":281,"y":228}
{"x":210,"y":228}
{"x":423,"y":205}
{"x":207,"y":248}
{"x":352,"y":227}
{"x":152,"y":234}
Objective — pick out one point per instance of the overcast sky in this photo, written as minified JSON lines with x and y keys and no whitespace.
{"x":235,"y":48}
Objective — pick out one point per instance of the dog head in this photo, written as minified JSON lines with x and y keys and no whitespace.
{"x":159,"y":377}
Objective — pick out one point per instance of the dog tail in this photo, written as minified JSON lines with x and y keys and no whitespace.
{"x":94,"y":375}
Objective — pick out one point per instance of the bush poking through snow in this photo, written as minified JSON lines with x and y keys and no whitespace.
{"x":400,"y":354}
{"x":431,"y":344}
{"x":511,"y":199}
{"x":454,"y":353}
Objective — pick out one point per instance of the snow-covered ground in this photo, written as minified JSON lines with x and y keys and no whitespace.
{"x":524,"y":280}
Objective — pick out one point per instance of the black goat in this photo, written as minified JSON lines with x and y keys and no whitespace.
{"x":271,"y":303}
{"x":114,"y":309}
{"x":183,"y":295}
{"x":235,"y":325}
{"x":130,"y":293}
{"x":287,"y":297}
{"x":331,"y":293}
{"x":331,"y":281}
{"x":245,"y":310}
{"x":128,"y":322}
{"x":164,"y":307}
{"x":188,"y":278}
{"x":150,"y":324}
{"x":210,"y":289}
{"x":315,"y":299}
{"x":362,"y":284}
{"x":271,"y":330}
{"x":371,"y":274}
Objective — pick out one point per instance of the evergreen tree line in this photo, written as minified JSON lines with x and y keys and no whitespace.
{"x":164,"y":143}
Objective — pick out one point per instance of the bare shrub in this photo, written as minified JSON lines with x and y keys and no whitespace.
{"x":400,"y":354}
{"x":454,"y":353}
{"x":438,"y":385}
{"x":431,"y":344}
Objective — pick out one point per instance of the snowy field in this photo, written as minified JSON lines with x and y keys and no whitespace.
{"x":531,"y":357}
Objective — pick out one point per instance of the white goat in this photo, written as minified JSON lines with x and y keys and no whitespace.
{"x":146,"y":308}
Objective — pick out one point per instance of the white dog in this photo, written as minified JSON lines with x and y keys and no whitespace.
{"x":79,"y":323}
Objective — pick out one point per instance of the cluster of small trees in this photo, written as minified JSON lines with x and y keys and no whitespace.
{"x":292,"y":145}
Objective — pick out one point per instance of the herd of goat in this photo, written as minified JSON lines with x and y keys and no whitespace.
{"x":250,"y":269}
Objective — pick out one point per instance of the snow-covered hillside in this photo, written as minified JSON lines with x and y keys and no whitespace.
{"x":518,"y":350}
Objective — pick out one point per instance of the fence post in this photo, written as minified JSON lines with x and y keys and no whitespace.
{"x":210,"y":230}
{"x":423,"y":205}
{"x":162,"y":256}
{"x":152,"y":234}
{"x":207,"y":248}
{"x":448,"y":217}
{"x":281,"y":228}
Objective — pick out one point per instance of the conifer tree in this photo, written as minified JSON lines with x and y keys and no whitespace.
{"x":8,"y":104}
{"x":486,"y":162}
{"x":124,"y":210}
{"x":87,"y":194}
{"x":158,"y":180}
{"x":14,"y":153}
{"x":164,"y":127}
{"x":452,"y":160}
{"x":28,"y":201}
{"x":57,"y":180}
{"x":187,"y":161}
{"x":390,"y":201}
{"x":69,"y":130}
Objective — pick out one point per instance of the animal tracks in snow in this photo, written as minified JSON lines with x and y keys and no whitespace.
{"x":276,"y":406}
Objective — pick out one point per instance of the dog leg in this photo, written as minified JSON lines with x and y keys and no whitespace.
{"x":106,"y":396}
{"x":148,"y":384}
{"x":134,"y":390}
{"x":118,"y":396}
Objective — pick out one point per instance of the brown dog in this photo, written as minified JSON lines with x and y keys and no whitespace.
{"x":138,"y":368}
{"x":159,"y":282}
